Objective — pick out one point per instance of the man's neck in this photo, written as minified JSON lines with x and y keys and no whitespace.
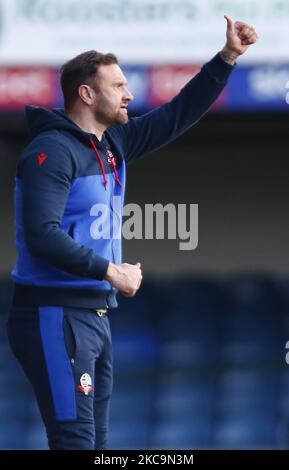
{"x":87,"y":123}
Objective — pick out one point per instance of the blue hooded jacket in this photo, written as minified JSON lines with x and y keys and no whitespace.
{"x":63,"y":178}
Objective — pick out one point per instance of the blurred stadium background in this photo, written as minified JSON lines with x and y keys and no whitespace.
{"x":200,"y":351}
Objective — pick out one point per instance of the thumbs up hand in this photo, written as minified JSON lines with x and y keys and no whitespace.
{"x":239,"y":36}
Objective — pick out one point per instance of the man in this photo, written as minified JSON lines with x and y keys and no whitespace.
{"x":66,"y":276}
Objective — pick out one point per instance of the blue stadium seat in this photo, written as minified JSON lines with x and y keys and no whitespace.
{"x":252,"y":323}
{"x":199,"y":294}
{"x":135,"y":349}
{"x":130,"y":433}
{"x":132,"y":401}
{"x":195,"y":400}
{"x":245,"y":352}
{"x":190,"y":352}
{"x":182,"y":434}
{"x":247,"y":396}
{"x":245,"y":433}
{"x":189,"y":327}
{"x":252,"y":293}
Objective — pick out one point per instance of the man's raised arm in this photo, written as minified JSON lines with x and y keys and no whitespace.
{"x":144,"y":134}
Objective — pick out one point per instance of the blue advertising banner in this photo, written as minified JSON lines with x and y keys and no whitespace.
{"x":258,"y":88}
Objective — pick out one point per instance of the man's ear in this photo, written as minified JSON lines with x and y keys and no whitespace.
{"x":86,"y":93}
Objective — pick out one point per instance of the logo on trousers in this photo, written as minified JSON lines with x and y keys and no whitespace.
{"x":85,"y":384}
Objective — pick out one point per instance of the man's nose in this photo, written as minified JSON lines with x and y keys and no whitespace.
{"x":128,"y":95}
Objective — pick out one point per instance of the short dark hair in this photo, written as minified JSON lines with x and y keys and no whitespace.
{"x":81,"y":70}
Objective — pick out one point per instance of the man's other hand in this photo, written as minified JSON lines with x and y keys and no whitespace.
{"x":125,"y":277}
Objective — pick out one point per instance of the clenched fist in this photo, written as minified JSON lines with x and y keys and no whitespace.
{"x":125,"y":277}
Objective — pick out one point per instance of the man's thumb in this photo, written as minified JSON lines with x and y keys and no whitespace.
{"x":230,"y":22}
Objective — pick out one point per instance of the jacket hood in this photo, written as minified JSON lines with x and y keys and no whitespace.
{"x":42,"y":119}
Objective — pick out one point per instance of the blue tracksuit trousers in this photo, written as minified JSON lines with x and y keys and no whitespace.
{"x":66,"y":354}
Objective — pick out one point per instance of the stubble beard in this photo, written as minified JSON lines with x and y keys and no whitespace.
{"x":109,"y":118}
{"x":121,"y":118}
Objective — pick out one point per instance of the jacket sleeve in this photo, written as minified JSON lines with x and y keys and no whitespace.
{"x":46,"y":184}
{"x":144,"y":134}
